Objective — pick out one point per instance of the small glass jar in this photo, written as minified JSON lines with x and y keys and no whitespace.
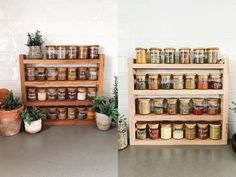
{"x":83,"y":52}
{"x":52,"y":94}
{"x":31,"y":94}
{"x":72,"y":73}
{"x":178,"y":81}
{"x":144,"y":106}
{"x":198,"y":106}
{"x":158,"y":106}
{"x":184,"y":107}
{"x":62,"y":113}
{"x":41,"y":73}
{"x":184,"y":55}
{"x":43,"y":110}
{"x":30,"y":74}
{"x":52,"y":113}
{"x":199,"y":55}
{"x":61,"y":94}
{"x":153,"y":81}
{"x":122,"y":134}
{"x":166,"y":131}
{"x":169,"y":55}
{"x":215,"y":81}
{"x":71,"y":113}
{"x":61,"y":76}
{"x":213,"y":106}
{"x":141,"y":55}
{"x":215,"y":131}
{"x":90,"y":114}
{"x":178,"y":130}
{"x":51,"y":51}
{"x":202,"y":132}
{"x":213,"y":55}
{"x":82,"y":93}
{"x":71,"y":93}
{"x":166,"y":82}
{"x":141,"y":131}
{"x":82,"y":73}
{"x":92,"y":92}
{"x":61,"y":52}
{"x":172,"y":106}
{"x":72,"y":52}
{"x":140,"y":81}
{"x":51,"y":74}
{"x":93,"y":51}
{"x":190,"y":81}
{"x":81,"y":113}
{"x":155,"y":55}
{"x":153,"y":131}
{"x":93,"y":73}
{"x":202,"y":81}
{"x":42,"y":94}
{"x":190,"y":131}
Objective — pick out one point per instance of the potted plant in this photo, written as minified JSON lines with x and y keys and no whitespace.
{"x":34,"y":43}
{"x":10,"y":122}
{"x":32,"y":119}
{"x":234,"y":135}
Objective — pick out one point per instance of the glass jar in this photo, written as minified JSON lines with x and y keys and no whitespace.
{"x":190,"y":81}
{"x":153,"y":131}
{"x":30,"y":74}
{"x":202,"y":81}
{"x":42,"y":94}
{"x":43,"y":110}
{"x":172,"y":106}
{"x":141,"y":55}
{"x":202,"y":132}
{"x":61,"y":94}
{"x":198,"y":106}
{"x":51,"y":74}
{"x":83,"y":52}
{"x":166,"y":131}
{"x":52,"y":94}
{"x":213,"y":55}
{"x":62,"y":113}
{"x":72,"y":73}
{"x":92,"y":73}
{"x":184,"y":107}
{"x":215,"y":81}
{"x":215,"y":131}
{"x":93,"y":51}
{"x":71,"y":93}
{"x":72,"y":52}
{"x":41,"y":73}
{"x":90,"y":114}
{"x":155,"y":55}
{"x":140,"y":81}
{"x":199,"y":55}
{"x":92,"y":92}
{"x":184,"y":55}
{"x":71,"y":113}
{"x":82,"y":93}
{"x":144,"y":106}
{"x":169,"y":55}
{"x":82,"y":73}
{"x":213,"y":106}
{"x":178,"y":81}
{"x":51,"y":51}
{"x":178,"y":130}
{"x":190,"y":131}
{"x":141,"y":131}
{"x":158,"y":106}
{"x":31,"y":94}
{"x":166,"y":82}
{"x":153,"y":81}
{"x":61,"y":52}
{"x":81,"y":113}
{"x":61,"y":76}
{"x":52,"y":113}
{"x":122,"y":134}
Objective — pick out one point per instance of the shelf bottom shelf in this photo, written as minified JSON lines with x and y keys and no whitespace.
{"x":48,"y":122}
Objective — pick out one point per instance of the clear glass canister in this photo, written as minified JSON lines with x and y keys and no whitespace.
{"x":153,"y":131}
{"x":82,"y":93}
{"x":190,"y":81}
{"x":61,"y":52}
{"x":30,"y":74}
{"x":172,"y":106}
{"x":52,"y":94}
{"x":51,"y":51}
{"x":144,"y":106}
{"x":184,"y":107}
{"x":83,"y":52}
{"x":166,"y":82}
{"x":153,"y":81}
{"x":93,"y":51}
{"x":122,"y":134}
{"x":215,"y":81}
{"x":203,"y":81}
{"x":178,"y":81}
{"x":72,"y":73}
{"x":61,"y":73}
{"x":155,"y":55}
{"x":190,"y":131}
{"x":140,"y":81}
{"x":71,"y":93}
{"x":51,"y":74}
{"x":71,"y":113}
{"x":198,"y":106}
{"x":41,"y":73}
{"x":215,"y":131}
{"x":92,"y":73}
{"x":92,"y":92}
{"x":81,"y":113}
{"x":169,"y":55}
{"x":199,"y":55}
{"x":184,"y":55}
{"x":82,"y":73}
{"x":166,"y":131}
{"x":213,"y":106}
{"x":52,"y":113}
{"x":158,"y":106}
{"x":72,"y":52}
{"x":202,"y":132}
{"x":178,"y":130}
{"x":42,"y":94}
{"x":141,"y":131}
{"x":213,"y":55}
{"x":62,"y":113}
{"x":61,"y":93}
{"x":141,"y":55}
{"x":31,"y":94}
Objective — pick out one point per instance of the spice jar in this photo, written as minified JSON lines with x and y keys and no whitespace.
{"x":199,"y":55}
{"x":30,"y":74}
{"x":202,"y":81}
{"x":190,"y":81}
{"x":72,"y":73}
{"x":71,"y":113}
{"x":62,"y":113}
{"x":202,"y":132}
{"x":122,"y":134}
{"x":213,"y":106}
{"x":153,"y":131}
{"x":190,"y":131}
{"x":93,"y":52}
{"x":155,"y":55}
{"x":141,"y":132}
{"x":215,"y":81}
{"x":81,"y":113}
{"x":184,"y":107}
{"x":166,"y":82}
{"x":51,"y":51}
{"x":144,"y":106}
{"x":166,"y":131}
{"x":92,"y":92}
{"x":90,"y":114}
{"x":178,"y":81}
{"x":52,"y":113}
{"x":42,"y":94}
{"x":82,"y":93}
{"x":92,"y":73}
{"x":61,"y":94}
{"x":215,"y":131}
{"x":158,"y":106}
{"x":51,"y":74}
{"x":83,"y":52}
{"x":213,"y":55}
{"x":72,"y":52}
{"x":82,"y":73}
{"x":52,"y":94}
{"x":153,"y":81}
{"x":61,"y":75}
{"x":41,"y":73}
{"x":71,"y":93}
{"x":198,"y":106}
{"x":31,"y":94}
{"x":140,"y":81}
{"x":169,"y":55}
{"x":178,"y":130}
{"x":141,"y":55}
{"x":43,"y":110}
{"x":61,"y":52}
{"x":172,"y":106}
{"x":184,"y":55}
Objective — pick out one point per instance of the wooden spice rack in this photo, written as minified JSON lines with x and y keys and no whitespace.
{"x":133,"y":68}
{"x":44,"y":62}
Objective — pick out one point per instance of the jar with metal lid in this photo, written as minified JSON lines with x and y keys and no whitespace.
{"x":213,"y":55}
{"x":93,"y":51}
{"x":190,"y":131}
{"x":155,"y":55}
{"x":41,"y":73}
{"x":42,"y":94}
{"x":184,"y":107}
{"x":61,"y":75}
{"x":166,"y":82}
{"x":202,"y":81}
{"x":72,"y":52}
{"x":144,"y":106}
{"x":141,"y":131}
{"x":51,"y":51}
{"x":61,"y":93}
{"x":92,"y":73}
{"x":52,"y":94}
{"x":51,"y":74}
{"x":213,"y":106}
{"x":153,"y":131}
{"x":169,"y":54}
{"x":215,"y":81}
{"x":82,"y":73}
{"x":82,"y":93}
{"x":158,"y":106}
{"x":31,"y":94}
{"x":202,"y":132}
{"x":199,"y":55}
{"x":198,"y":106}
{"x":92,"y":92}
{"x":140,"y":81}
{"x":184,"y":55}
{"x":52,"y":113}
{"x":81,"y":113}
{"x":172,"y":106}
{"x":178,"y":130}
{"x":72,"y":73}
{"x":153,"y":81}
{"x":190,"y":81}
{"x":83,"y":52}
{"x":178,"y":81}
{"x":90,"y":114}
{"x":30,"y":74}
{"x":71,"y":113}
{"x":71,"y":93}
{"x":61,"y":52}
{"x":141,"y":55}
{"x":215,"y":131}
{"x":62,"y":113}
{"x":166,"y":131}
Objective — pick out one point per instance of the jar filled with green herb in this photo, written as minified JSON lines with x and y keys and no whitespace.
{"x":184,"y":107}
{"x":158,"y":105}
{"x":140,"y":81}
{"x":169,"y":54}
{"x":166,"y":82}
{"x":215,"y":131}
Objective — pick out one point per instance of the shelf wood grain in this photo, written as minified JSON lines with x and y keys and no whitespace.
{"x":48,"y":122}
{"x":59,"y":83}
{"x":60,"y":103}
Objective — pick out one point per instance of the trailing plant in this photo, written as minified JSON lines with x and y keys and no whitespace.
{"x":11,"y":102}
{"x":115,"y":91}
{"x":33,"y":114}
{"x":35,"y":39}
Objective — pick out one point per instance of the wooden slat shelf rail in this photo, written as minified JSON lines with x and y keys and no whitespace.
{"x":174,"y":92}
{"x":60,"y":103}
{"x":75,"y":61}
{"x":48,"y":122}
{"x":59,"y":83}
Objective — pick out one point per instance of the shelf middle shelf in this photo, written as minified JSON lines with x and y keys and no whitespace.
{"x":60,"y":103}
{"x":60,"y":83}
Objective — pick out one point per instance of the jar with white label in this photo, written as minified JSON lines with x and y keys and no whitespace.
{"x":213,"y":55}
{"x":71,"y":93}
{"x":42,"y":94}
{"x":166,"y":82}
{"x":172,"y":106}
{"x":199,"y":55}
{"x":61,"y":52}
{"x":93,"y":51}
{"x":72,"y":52}
{"x":155,"y":55}
{"x":169,"y":55}
{"x":61,"y":93}
{"x":166,"y":131}
{"x":141,"y":131}
{"x":93,"y":73}
{"x":178,"y":131}
{"x":31,"y":94}
{"x":190,"y":131}
{"x":82,"y":93}
{"x":92,"y":92}
{"x":184,"y":55}
{"x":178,"y":81}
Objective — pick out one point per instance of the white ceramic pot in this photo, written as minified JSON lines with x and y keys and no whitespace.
{"x":34,"y":127}
{"x":103,"y":121}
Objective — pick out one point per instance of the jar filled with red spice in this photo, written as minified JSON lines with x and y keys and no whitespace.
{"x":41,"y":73}
{"x":215,"y":81}
{"x":153,"y":131}
{"x":203,"y":81}
{"x":30,"y":74}
{"x":72,"y":52}
{"x":184,"y":55}
{"x":82,"y":73}
{"x":153,"y":81}
{"x":51,"y":51}
{"x":198,"y":106}
{"x":72,"y":73}
{"x":83,"y":52}
{"x":93,"y":51}
{"x":213,"y":106}
{"x":61,"y":75}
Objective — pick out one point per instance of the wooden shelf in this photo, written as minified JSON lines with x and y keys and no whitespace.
{"x":48,"y":122}
{"x":60,"y":83}
{"x":75,"y":61}
{"x":60,"y":103}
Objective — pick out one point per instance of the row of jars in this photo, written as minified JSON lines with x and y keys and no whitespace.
{"x":72,"y":52}
{"x":183,"y":106}
{"x":68,"y":112}
{"x":52,"y":94}
{"x":178,"y":130}
{"x":61,"y":73}
{"x":178,"y":81}
{"x":183,"y":56}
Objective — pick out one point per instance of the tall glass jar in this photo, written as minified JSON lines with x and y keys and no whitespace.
{"x":202,"y":132}
{"x":62,"y":113}
{"x":82,"y":93}
{"x":51,"y":51}
{"x":202,"y":81}
{"x":158,"y":106}
{"x":172,"y":106}
{"x":41,"y":73}
{"x":213,"y":55}
{"x":141,"y":55}
{"x":31,"y":94}
{"x":166,"y":82}
{"x":51,"y":74}
{"x":178,"y":81}
{"x":72,"y":52}
{"x":198,"y":106}
{"x":155,"y":55}
{"x":52,"y":94}
{"x":166,"y":131}
{"x":153,"y":81}
{"x":190,"y":81}
{"x":61,"y":52}
{"x":30,"y":74}
{"x":92,"y":73}
{"x":140,"y":81}
{"x":144,"y":106}
{"x":61,"y":75}
{"x":178,"y":130}
{"x":82,"y":73}
{"x":71,"y":93}
{"x":72,"y":73}
{"x":169,"y":55}
{"x":141,"y":131}
{"x":199,"y":55}
{"x":81,"y":113}
{"x":122,"y":134}
{"x":93,"y":51}
{"x":92,"y":92}
{"x":190,"y":131}
{"x":153,"y":131}
{"x":61,"y":93}
{"x":52,"y":113}
{"x":213,"y":106}
{"x":184,"y":55}
{"x":184,"y":107}
{"x":42,"y":94}
{"x":215,"y":131}
{"x":215,"y":81}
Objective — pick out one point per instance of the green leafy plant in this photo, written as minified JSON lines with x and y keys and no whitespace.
{"x":115,"y":91}
{"x":11,"y":102}
{"x":33,"y":114}
{"x":35,"y":39}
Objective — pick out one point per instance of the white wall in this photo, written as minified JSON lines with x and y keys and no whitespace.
{"x":61,"y":22}
{"x":163,"y":23}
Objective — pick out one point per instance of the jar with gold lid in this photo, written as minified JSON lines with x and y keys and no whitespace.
{"x":178,"y":130}
{"x":169,"y":55}
{"x":82,"y":93}
{"x":178,"y":81}
{"x":93,"y":51}
{"x":51,"y":74}
{"x":184,"y":106}
{"x":198,"y":106}
{"x":52,"y":113}
{"x":83,"y":52}
{"x":141,"y":55}
{"x":92,"y":92}
{"x":52,"y":94}
{"x":31,"y":94}
{"x":30,"y":74}
{"x":71,"y":93}
{"x":166,"y":82}
{"x":61,"y":75}
{"x":202,"y":132}
{"x":140,"y":81}
{"x":190,"y":131}
{"x":41,"y":73}
{"x":141,"y":131}
{"x":190,"y":81}
{"x":82,"y":73}
{"x":51,"y":51}
{"x":61,"y":93}
{"x":81,"y":113}
{"x":213,"y":106}
{"x":72,"y":73}
{"x":215,"y":81}
{"x":213,"y":55}
{"x":172,"y":106}
{"x":90,"y":113}
{"x":42,"y":94}
{"x":153,"y":131}
{"x":62,"y":113}
{"x":61,"y":52}
{"x":71,"y":113}
{"x":144,"y":106}
{"x":199,"y":55}
{"x":93,"y":73}
{"x":153,"y":81}
{"x":184,"y":55}
{"x":215,"y":131}
{"x":166,"y":131}
{"x":72,"y":52}
{"x":158,"y":106}
{"x":155,"y":55}
{"x":202,"y":81}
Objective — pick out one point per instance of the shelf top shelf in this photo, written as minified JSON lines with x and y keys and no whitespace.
{"x":60,"y":103}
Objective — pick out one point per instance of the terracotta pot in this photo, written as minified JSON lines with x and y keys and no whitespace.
{"x":103,"y":121}
{"x":34,"y":127}
{"x":35,"y":52}
{"x":234,"y":142}
{"x":10,"y":122}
